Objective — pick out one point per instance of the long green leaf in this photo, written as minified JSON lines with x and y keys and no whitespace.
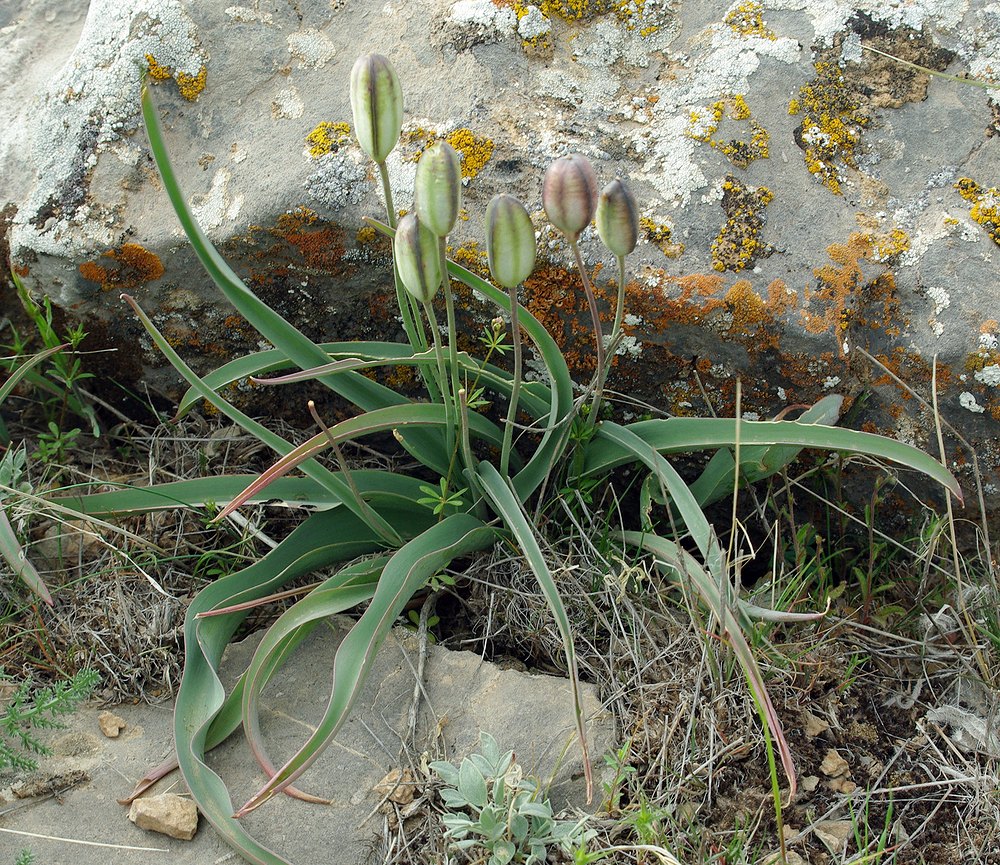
{"x":18,"y":374}
{"x":509,"y":508}
{"x":345,"y":590}
{"x":367,"y":394}
{"x":379,"y":420}
{"x":758,"y":461}
{"x":322,"y":538}
{"x":13,"y":553}
{"x":687,"y":506}
{"x":378,"y":487}
{"x":683,"y":434}
{"x":405,"y":572}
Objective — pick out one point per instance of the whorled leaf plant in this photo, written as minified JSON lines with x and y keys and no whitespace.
{"x":379,"y":515}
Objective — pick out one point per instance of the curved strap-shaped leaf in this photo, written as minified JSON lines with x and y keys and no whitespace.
{"x":688,"y":508}
{"x":427,"y":446}
{"x":681,"y":434}
{"x":334,"y":484}
{"x":405,"y":572}
{"x":379,"y":420}
{"x":230,"y":716}
{"x":758,"y":461}
{"x":274,"y":360}
{"x":709,"y":586}
{"x":12,"y":552}
{"x":377,"y":487}
{"x":349,"y":588}
{"x":535,"y":396}
{"x":322,"y":538}
{"x":510,"y":510}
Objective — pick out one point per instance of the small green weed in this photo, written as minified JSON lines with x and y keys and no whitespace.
{"x":29,"y":712}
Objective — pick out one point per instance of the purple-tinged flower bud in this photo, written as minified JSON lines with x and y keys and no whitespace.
{"x":569,"y":194}
{"x":437,"y":189}
{"x":617,"y":218}
{"x":417,"y":258}
{"x":377,"y":105}
{"x":510,"y":241}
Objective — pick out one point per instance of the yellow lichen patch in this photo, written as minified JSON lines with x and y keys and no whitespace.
{"x":659,"y":234}
{"x":739,"y":242}
{"x":475,"y":150}
{"x":741,"y":152}
{"x":832,"y":120}
{"x":747,"y":19}
{"x":887,"y":246}
{"x":189,"y":86}
{"x":471,"y":256}
{"x":328,"y":137}
{"x":128,"y":267}
{"x":366,"y":234}
{"x":985,"y":210}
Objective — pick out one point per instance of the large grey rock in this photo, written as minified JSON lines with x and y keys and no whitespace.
{"x":871,"y":226}
{"x":532,"y":714}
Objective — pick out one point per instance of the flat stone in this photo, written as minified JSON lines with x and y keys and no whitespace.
{"x":168,"y":814}
{"x":532,"y":714}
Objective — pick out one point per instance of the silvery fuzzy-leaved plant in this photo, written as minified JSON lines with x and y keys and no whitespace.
{"x":497,"y":812}
{"x":375,"y":521}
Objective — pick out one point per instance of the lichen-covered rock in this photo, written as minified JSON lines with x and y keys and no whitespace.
{"x":814,"y":213}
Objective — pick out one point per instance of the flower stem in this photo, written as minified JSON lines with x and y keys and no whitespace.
{"x":515,"y":392}
{"x":599,"y":335}
{"x":442,"y":379}
{"x":407,"y":306}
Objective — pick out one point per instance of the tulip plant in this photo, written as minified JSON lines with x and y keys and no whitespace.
{"x":490,"y":473}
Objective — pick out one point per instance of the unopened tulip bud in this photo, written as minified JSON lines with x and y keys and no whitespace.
{"x":377,"y":105}
{"x":417,"y":258}
{"x":617,"y":218}
{"x":569,"y":194}
{"x":510,"y":241}
{"x":437,"y":189}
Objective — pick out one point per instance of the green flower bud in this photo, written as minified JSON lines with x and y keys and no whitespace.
{"x":617,"y":218}
{"x":510,"y":241}
{"x":437,"y":189}
{"x":417,"y":258}
{"x":569,"y":194}
{"x":377,"y":105}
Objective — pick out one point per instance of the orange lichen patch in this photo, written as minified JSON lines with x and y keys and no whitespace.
{"x":985,"y":210}
{"x":747,"y":308}
{"x":128,"y":267}
{"x":843,"y":299}
{"x":22,"y":270}
{"x":747,"y":19}
{"x":475,"y":150}
{"x":189,"y":86}
{"x":739,"y":243}
{"x":328,"y":137}
{"x":741,"y":152}
{"x":320,"y":244}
